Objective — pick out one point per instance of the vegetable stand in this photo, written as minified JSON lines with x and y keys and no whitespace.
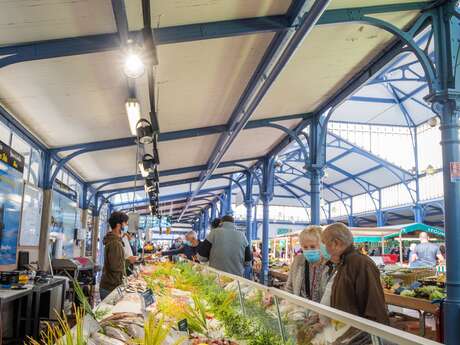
{"x":423,"y":307}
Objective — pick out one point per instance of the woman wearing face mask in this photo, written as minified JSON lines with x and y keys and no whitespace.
{"x":309,"y":272}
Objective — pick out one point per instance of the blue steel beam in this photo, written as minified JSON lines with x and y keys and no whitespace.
{"x":276,"y":57}
{"x":175,"y":135}
{"x":171,"y":172}
{"x":185,"y":33}
{"x":164,"y":184}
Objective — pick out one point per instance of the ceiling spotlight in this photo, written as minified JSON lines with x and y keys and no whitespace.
{"x":433,"y":122}
{"x":133,"y":110}
{"x":144,"y":131}
{"x":147,"y":165}
{"x":133,"y":66}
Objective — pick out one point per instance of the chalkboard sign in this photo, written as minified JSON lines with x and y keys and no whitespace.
{"x":148,"y":297}
{"x":183,"y":325}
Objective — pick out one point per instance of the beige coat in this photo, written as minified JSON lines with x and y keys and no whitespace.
{"x":296,"y":280}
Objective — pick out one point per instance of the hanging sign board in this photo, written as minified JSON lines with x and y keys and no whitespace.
{"x":11,"y":192}
{"x":11,"y":158}
{"x":454,"y":172}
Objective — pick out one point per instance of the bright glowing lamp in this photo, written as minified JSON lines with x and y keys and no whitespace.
{"x":133,"y":110}
{"x":430,"y":170}
{"x":134,"y":66}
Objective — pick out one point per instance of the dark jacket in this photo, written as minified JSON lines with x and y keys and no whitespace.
{"x":189,"y":251}
{"x":357,"y":288}
{"x":114,"y":262}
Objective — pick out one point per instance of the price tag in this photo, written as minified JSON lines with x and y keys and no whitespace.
{"x":148,"y":297}
{"x":120,"y":291}
{"x":183,"y":325}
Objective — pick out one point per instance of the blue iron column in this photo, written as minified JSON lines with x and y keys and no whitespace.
{"x":380,"y":216}
{"x":268,"y":182}
{"x":316,"y":166}
{"x":84,"y":217}
{"x":254,"y":224}
{"x":213,"y":211}
{"x":445,"y":98}
{"x":315,"y":195}
{"x":206,"y":223}
{"x":222,"y":205}
{"x":418,"y":213}
{"x":248,"y":203}
{"x":43,"y":251}
{"x":95,"y":234}
{"x":228,"y":201}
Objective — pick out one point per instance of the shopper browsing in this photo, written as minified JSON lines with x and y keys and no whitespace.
{"x":355,"y":286}
{"x":114,"y":256}
{"x":309,"y":272}
{"x":425,"y":253}
{"x":226,"y":248}
{"x":215,"y":223}
{"x":189,"y":248}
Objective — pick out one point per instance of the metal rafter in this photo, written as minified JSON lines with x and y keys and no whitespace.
{"x":185,"y":33}
{"x":276,"y":57}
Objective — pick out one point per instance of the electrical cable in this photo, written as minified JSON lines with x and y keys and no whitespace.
{"x":135,"y":174}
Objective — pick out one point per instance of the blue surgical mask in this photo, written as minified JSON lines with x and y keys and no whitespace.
{"x":124,"y":228}
{"x":324,"y":252}
{"x":187,"y":243}
{"x":312,"y":255}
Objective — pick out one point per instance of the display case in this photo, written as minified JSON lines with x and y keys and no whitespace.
{"x":192,"y":304}
{"x":301,"y":321}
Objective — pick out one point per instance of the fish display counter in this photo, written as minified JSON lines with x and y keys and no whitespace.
{"x":193,"y":304}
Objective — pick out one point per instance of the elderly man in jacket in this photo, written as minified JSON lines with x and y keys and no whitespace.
{"x":356,"y":286}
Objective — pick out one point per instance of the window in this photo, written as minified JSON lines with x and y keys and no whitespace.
{"x":5,"y":134}
{"x":25,"y":150}
{"x":35,"y":162}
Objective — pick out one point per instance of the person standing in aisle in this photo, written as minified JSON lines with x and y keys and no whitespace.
{"x":114,"y":256}
{"x":426,"y":253}
{"x":226,"y":248}
{"x":310,"y":272}
{"x":355,"y":285}
{"x":216,"y":223}
{"x":189,"y":248}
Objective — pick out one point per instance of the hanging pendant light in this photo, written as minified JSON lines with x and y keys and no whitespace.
{"x":147,"y":166}
{"x":144,"y":132}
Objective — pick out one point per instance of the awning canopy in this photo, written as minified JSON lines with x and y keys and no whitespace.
{"x":388,"y":232}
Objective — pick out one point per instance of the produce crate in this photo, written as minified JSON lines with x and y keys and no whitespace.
{"x":413,"y":275}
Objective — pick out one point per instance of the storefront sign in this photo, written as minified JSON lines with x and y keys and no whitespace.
{"x":454,"y":172}
{"x":282,"y":231}
{"x":11,"y":157}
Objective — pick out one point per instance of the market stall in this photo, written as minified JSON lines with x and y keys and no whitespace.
{"x":398,"y":233}
{"x":187,"y":303}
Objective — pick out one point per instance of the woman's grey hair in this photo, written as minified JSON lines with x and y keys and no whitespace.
{"x":312,"y":232}
{"x":191,"y":233}
{"x":337,"y":231}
